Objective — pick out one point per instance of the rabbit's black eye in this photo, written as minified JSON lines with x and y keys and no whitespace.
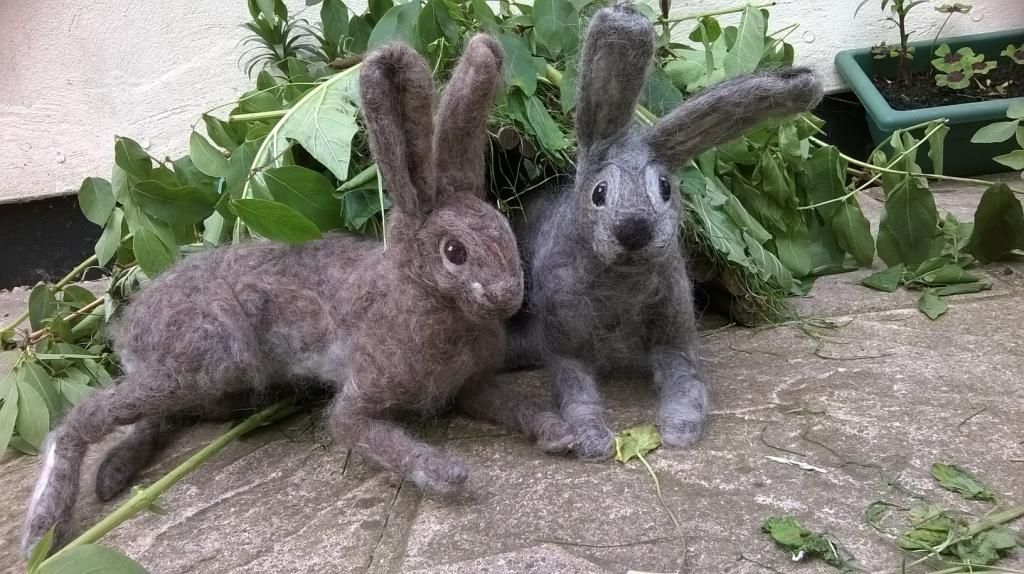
{"x":599,"y":194}
{"x":665,"y":188}
{"x":455,"y":251}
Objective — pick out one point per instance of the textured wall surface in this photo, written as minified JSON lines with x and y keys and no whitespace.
{"x":76,"y":73}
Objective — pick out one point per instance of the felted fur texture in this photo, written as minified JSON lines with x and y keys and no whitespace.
{"x":402,"y":329}
{"x":607,"y":287}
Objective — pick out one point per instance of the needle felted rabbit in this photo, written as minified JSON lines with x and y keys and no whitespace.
{"x":394,"y":329}
{"x":606,"y":282}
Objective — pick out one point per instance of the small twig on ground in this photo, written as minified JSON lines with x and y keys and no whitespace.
{"x":752,"y":561}
{"x":821,"y":355}
{"x":960,"y":426}
{"x":657,"y":490}
{"x":796,"y":463}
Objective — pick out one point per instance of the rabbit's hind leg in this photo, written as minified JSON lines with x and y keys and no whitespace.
{"x":387,"y":444}
{"x":125,"y":460}
{"x":88,"y":422}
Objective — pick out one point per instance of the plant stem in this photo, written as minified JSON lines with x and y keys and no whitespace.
{"x":721,"y":12}
{"x":147,"y":496}
{"x":56,"y":287}
{"x":255,"y":116}
{"x":875,"y":177}
{"x":657,"y":490}
{"x":872,"y":167}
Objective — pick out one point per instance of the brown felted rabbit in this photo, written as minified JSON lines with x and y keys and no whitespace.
{"x":401,"y":328}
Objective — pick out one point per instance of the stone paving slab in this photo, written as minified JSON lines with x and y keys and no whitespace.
{"x":872,"y":402}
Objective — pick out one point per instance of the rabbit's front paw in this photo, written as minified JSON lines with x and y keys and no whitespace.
{"x":440,"y":474}
{"x":554,"y":435}
{"x":680,"y":433}
{"x":594,"y":442}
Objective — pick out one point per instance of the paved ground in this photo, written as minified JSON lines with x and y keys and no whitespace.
{"x":884,"y":396}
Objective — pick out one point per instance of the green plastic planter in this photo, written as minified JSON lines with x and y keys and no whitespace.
{"x":962,"y":158}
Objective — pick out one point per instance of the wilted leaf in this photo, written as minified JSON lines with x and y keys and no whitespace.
{"x":799,"y":541}
{"x":184,"y":205}
{"x":948,"y":274}
{"x":205,"y":157}
{"x":275,"y":220}
{"x":930,"y":526}
{"x":153,"y":254}
{"x":33,"y":417}
{"x":519,"y":68}
{"x":987,"y":546}
{"x":42,"y":304}
{"x":998,"y":224}
{"x":636,"y":442}
{"x":555,"y":25}
{"x":853,"y":233}
{"x":398,"y":23}
{"x":90,"y":558}
{"x":932,"y":305}
{"x":8,"y":416}
{"x":96,"y":199}
{"x":307,"y":192}
{"x":909,"y":224}
{"x":952,"y":477}
{"x":962,"y":288}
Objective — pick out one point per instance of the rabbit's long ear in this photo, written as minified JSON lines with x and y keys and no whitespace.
{"x":460,"y":136}
{"x":729,"y":109}
{"x":397,"y":94}
{"x":617,"y":56}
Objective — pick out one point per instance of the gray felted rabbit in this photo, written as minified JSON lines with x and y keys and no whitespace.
{"x":607,"y":287}
{"x":388,"y":330}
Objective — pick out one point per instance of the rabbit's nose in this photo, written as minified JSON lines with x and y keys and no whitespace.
{"x":634,"y":233}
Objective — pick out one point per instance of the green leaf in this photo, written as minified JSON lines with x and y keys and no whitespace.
{"x":1015,"y":110}
{"x":996,"y":132}
{"x":932,"y":305}
{"x":909,"y":224}
{"x":129,"y":156}
{"x":636,"y":442}
{"x":749,"y":46}
{"x":773,"y":269}
{"x":239,"y":167}
{"x":519,"y":68}
{"x":1012,"y":160}
{"x":399,"y":23}
{"x":888,"y":280}
{"x":797,"y":540}
{"x":795,"y":253}
{"x":955,"y":479}
{"x":556,"y":25}
{"x":998,"y":224}
{"x":986,"y":547}
{"x":378,"y":8}
{"x":8,"y":416}
{"x":89,"y":559}
{"x":334,"y":19}
{"x":323,"y":122}
{"x":853,"y":233}
{"x":224,"y":134}
{"x":275,"y":221}
{"x":685,"y":74}
{"x":361,"y":205}
{"x":949,"y":274}
{"x":661,"y":96}
{"x":962,"y":288}
{"x":110,"y":239}
{"x":153,"y":254}
{"x":936,"y":150}
{"x":96,"y":199}
{"x":42,"y":304}
{"x":40,"y":551}
{"x":932,"y":526}
{"x":33,"y":416}
{"x":547,"y":131}
{"x":307,"y":192}
{"x":205,"y":157}
{"x":185,"y":205}
{"x":359,"y":31}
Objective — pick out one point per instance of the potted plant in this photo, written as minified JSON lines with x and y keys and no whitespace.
{"x":969,"y":80}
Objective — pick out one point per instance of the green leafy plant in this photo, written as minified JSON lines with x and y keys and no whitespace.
{"x":959,"y":67}
{"x":1014,"y":53}
{"x":787,"y":532}
{"x":998,"y":132}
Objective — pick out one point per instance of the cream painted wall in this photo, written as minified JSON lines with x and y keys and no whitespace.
{"x":75,"y":73}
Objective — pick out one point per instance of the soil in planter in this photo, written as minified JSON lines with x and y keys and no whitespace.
{"x":921,"y":91}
